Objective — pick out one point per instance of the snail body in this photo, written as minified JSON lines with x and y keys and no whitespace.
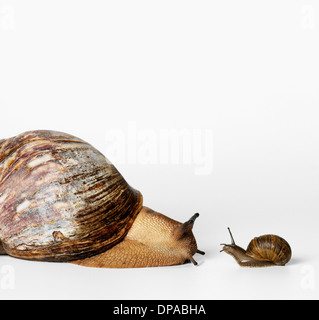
{"x":63,"y":200}
{"x":263,"y":251}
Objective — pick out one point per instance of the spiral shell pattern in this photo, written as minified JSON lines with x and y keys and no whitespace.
{"x":270,"y":248}
{"x":60,"y":198}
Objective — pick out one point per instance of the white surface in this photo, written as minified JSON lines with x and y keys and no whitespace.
{"x":237,"y":79}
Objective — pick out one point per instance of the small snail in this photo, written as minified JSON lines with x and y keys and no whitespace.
{"x":264,"y":251}
{"x":62,"y":200}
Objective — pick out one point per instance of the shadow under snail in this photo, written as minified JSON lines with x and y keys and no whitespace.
{"x":264,"y":251}
{"x":62,"y":200}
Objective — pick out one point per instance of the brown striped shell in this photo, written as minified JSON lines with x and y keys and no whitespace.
{"x":60,"y":198}
{"x":269,"y":248}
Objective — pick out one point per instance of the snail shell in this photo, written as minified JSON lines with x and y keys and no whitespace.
{"x":269,"y":248}
{"x":60,"y":198}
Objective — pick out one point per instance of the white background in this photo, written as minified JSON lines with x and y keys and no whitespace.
{"x":245,"y":74}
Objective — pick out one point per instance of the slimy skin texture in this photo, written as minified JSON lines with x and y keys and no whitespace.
{"x":153,"y":240}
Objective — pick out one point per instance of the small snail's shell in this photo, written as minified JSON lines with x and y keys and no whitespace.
{"x":269,"y":248}
{"x":60,"y":198}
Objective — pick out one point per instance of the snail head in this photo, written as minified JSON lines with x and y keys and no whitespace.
{"x":183,"y":235}
{"x":228,"y":248}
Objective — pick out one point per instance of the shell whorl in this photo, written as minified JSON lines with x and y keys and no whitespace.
{"x":269,"y":248}
{"x":60,"y":198}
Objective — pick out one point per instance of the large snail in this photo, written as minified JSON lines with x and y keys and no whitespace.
{"x":62,"y":200}
{"x":264,"y":251}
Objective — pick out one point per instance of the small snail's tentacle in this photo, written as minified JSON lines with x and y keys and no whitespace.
{"x":226,"y":245}
{"x":200,"y":252}
{"x":231,"y":237}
